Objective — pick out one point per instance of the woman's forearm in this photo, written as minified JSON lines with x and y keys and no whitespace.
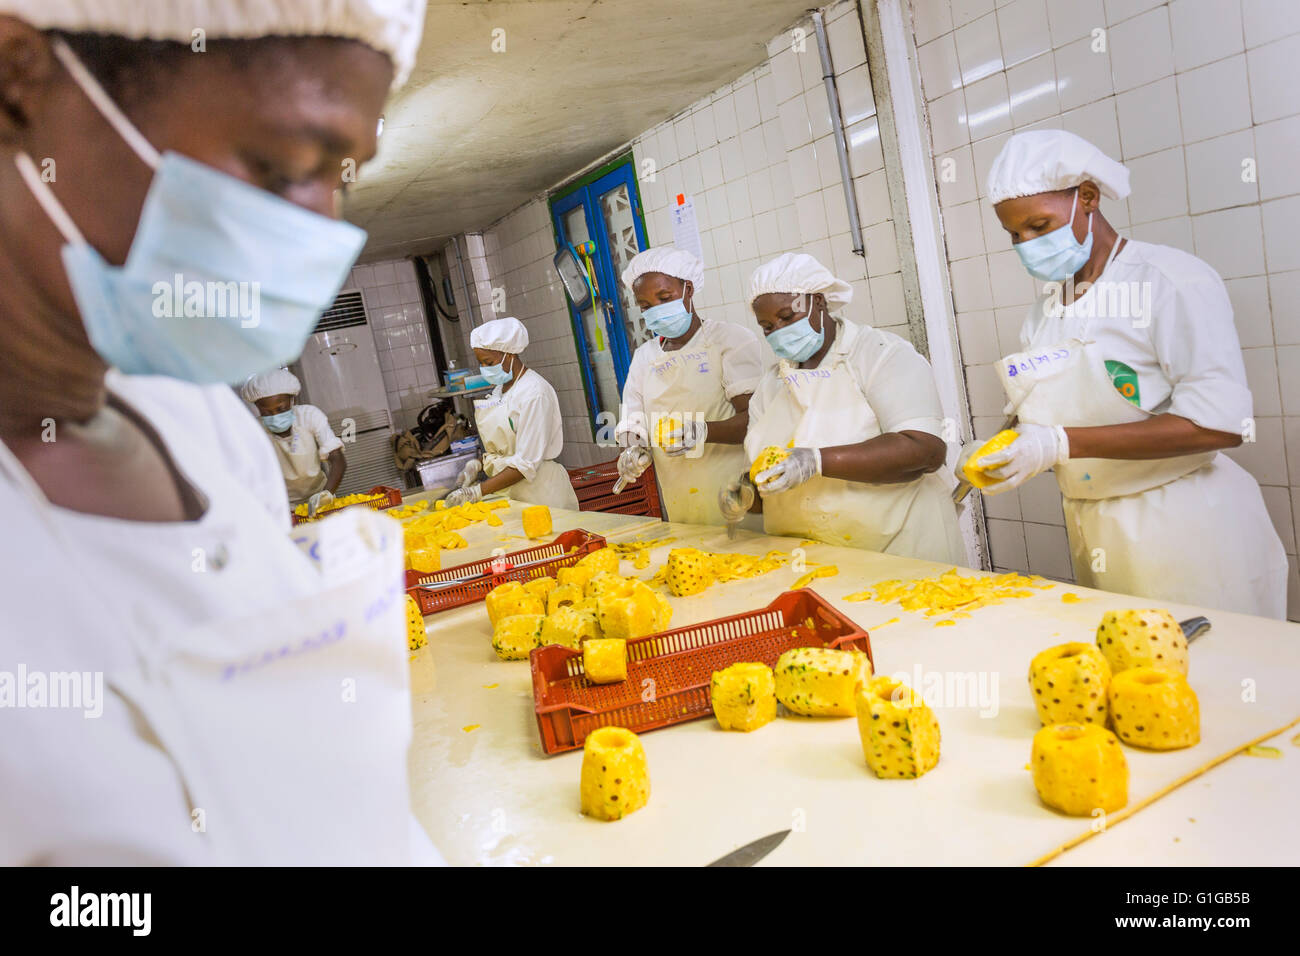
{"x":886,"y":459}
{"x":1161,"y":436}
{"x":729,"y":431}
{"x":502,"y":479}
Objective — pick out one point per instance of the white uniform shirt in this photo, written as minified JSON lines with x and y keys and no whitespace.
{"x":741,"y":365}
{"x":896,"y":379}
{"x":1165,"y":315}
{"x":534,"y":411}
{"x":310,"y":426}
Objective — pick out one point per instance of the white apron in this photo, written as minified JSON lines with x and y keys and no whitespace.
{"x":1191,"y":528}
{"x":550,"y":486}
{"x":299,"y":458}
{"x":824,"y":408}
{"x":688,"y":383}
{"x":289,"y":728}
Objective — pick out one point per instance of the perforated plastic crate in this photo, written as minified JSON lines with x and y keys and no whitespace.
{"x":384,"y":499}
{"x":681,"y":663}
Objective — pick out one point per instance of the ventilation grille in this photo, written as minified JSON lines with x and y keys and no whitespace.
{"x":348,"y":310}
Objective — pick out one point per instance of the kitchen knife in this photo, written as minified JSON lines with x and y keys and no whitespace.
{"x":751,"y":853}
{"x":1194,"y":627}
{"x":963,"y":486}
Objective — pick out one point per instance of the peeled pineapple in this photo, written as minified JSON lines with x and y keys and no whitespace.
{"x":1135,"y":638}
{"x":576,"y":576}
{"x":899,"y":731}
{"x":689,"y":571}
{"x":515,"y":636}
{"x":1069,"y":682}
{"x":1153,"y":708}
{"x":563,"y":595}
{"x":820,"y":681}
{"x":1079,"y":768}
{"x":602,"y":559}
{"x":537,"y":521}
{"x":604,"y":660}
{"x":631,"y":609}
{"x":602,"y":582}
{"x":972,"y":469}
{"x":541,"y":587}
{"x":569,"y":626}
{"x":511,"y":598}
{"x":615,"y":778}
{"x":768,"y":457}
{"x":666,"y":426}
{"x":424,"y":560}
{"x":743,"y":696}
{"x":415,"y":634}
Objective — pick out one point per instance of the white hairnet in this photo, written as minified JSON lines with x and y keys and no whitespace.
{"x":798,"y":272}
{"x":500,"y":335}
{"x":278,"y":381}
{"x":389,"y":26}
{"x":669,"y":260}
{"x":1046,"y":160}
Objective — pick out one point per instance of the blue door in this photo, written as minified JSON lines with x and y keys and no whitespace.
{"x":605,"y":211}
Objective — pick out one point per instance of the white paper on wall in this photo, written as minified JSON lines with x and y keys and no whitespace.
{"x":686,"y":231}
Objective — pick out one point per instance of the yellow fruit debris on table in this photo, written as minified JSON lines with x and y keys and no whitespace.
{"x":537,"y":521}
{"x":743,"y":696}
{"x":569,"y":626}
{"x":514,"y":637}
{"x":642,"y":560}
{"x":1259,"y":750}
{"x":974,"y":470}
{"x":511,"y":598}
{"x":602,"y":559}
{"x":604,"y":660}
{"x":1069,"y":683}
{"x":899,"y":731}
{"x":825,"y":571}
{"x":416,"y":637}
{"x":1155,"y":709}
{"x":954,"y":591}
{"x":820,"y":681}
{"x":615,"y":778}
{"x":1079,"y":769}
{"x":1069,"y":597}
{"x":769,"y":456}
{"x":1151,"y":637}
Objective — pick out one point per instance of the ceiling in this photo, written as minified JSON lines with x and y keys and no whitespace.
{"x":476,"y":133}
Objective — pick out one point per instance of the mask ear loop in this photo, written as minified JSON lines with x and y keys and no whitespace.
{"x":48,"y":201}
{"x":104,"y":103}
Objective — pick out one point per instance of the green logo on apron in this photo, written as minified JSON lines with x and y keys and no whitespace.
{"x":1125,"y":381}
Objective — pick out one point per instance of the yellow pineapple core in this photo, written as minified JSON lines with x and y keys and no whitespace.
{"x":743,"y":696}
{"x":1155,"y":709}
{"x":820,"y":681}
{"x":1069,"y":683}
{"x":615,"y":777}
{"x":974,"y":471}
{"x":1079,"y":768}
{"x":899,"y":731}
{"x":1150,"y":638}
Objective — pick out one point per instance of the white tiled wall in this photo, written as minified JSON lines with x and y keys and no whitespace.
{"x":397,"y":322}
{"x":757,"y":158}
{"x":1183,"y":92}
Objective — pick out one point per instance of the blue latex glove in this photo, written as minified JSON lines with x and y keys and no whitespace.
{"x":1038,"y":448}
{"x":693,"y":433}
{"x":799,"y":466}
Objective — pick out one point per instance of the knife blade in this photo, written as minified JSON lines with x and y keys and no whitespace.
{"x":964,"y":487}
{"x":751,"y":853}
{"x":1194,"y":627}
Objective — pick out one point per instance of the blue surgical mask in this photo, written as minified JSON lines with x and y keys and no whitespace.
{"x":496,"y":374}
{"x":278,"y":423}
{"x":798,"y":341}
{"x":1056,"y":255}
{"x":668,"y":319}
{"x":223,"y":280}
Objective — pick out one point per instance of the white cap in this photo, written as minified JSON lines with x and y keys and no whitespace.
{"x":669,"y":260}
{"x":278,"y":381}
{"x":1047,"y":160}
{"x":797,"y":272}
{"x":500,"y":335}
{"x":389,"y":26}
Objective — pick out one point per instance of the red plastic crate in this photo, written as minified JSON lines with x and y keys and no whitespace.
{"x":567,"y":548}
{"x":391,"y":499}
{"x":681,"y":663}
{"x":594,"y":486}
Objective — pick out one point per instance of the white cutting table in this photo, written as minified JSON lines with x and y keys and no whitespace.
{"x":486,"y":795}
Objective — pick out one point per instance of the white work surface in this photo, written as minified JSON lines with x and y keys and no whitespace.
{"x":487,"y":795}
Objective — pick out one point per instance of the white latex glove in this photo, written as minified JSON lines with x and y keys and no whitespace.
{"x":464,"y":496}
{"x":736,"y":498}
{"x":679,"y":441}
{"x":469,"y":473}
{"x":799,"y":466}
{"x":318,"y":501}
{"x":1038,"y":448}
{"x":632,"y":463}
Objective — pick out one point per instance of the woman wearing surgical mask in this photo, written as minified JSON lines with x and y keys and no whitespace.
{"x":698,"y":373}
{"x":167,"y":229}
{"x":302,"y":437}
{"x":860,"y":408}
{"x":519,"y":425}
{"x":1130,"y":385}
